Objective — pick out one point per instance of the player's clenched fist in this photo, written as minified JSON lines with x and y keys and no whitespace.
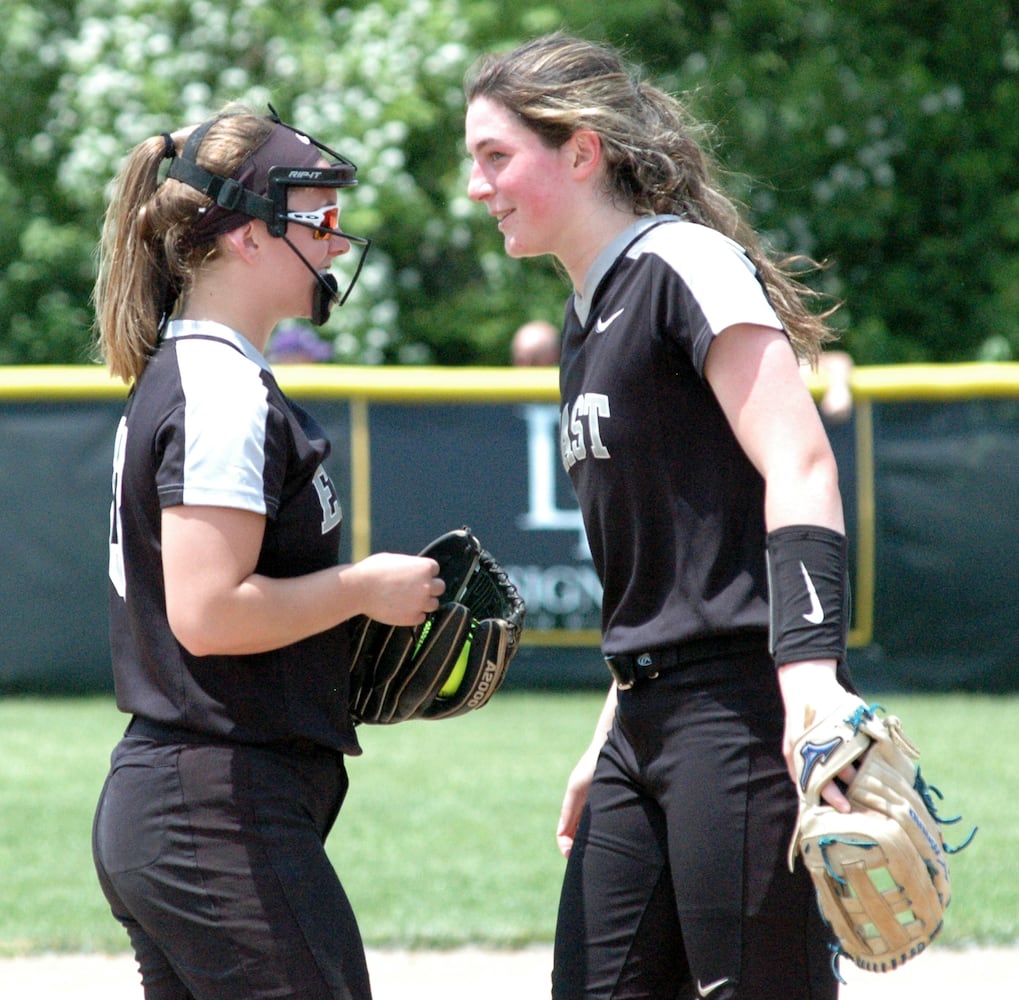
{"x":399,"y":589}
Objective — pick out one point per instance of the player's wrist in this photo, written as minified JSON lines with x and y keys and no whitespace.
{"x":808,"y":688}
{"x":808,"y":673}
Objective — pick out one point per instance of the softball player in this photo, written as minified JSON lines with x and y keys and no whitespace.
{"x":702,"y":470}
{"x":227,"y":606}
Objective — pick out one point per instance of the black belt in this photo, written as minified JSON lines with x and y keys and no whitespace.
{"x":628,"y":668}
{"x":164,"y":732}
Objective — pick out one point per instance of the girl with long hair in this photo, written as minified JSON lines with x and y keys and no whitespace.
{"x":711,"y":503}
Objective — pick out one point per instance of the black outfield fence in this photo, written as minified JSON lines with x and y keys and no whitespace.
{"x":929,"y":463}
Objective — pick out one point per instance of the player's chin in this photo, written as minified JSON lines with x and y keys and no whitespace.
{"x":519,"y":249}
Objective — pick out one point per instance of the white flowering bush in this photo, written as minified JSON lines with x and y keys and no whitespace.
{"x":362,"y":78}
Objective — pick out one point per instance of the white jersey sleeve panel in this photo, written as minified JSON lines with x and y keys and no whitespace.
{"x":718,"y":273}
{"x":225,"y":418}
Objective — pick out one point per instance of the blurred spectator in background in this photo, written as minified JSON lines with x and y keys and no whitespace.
{"x":836,"y":368}
{"x":294,"y":344}
{"x":535,"y":343}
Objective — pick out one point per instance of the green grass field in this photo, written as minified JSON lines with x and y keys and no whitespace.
{"x":446,"y":837}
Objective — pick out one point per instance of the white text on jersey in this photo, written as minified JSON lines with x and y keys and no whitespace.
{"x":579,"y":426}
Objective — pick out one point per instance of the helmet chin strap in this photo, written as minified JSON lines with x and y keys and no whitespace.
{"x":323,"y":298}
{"x":326,"y":292}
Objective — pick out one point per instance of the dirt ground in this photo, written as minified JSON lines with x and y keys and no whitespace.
{"x":477,"y":974}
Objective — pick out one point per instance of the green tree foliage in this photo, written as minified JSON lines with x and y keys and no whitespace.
{"x":880,"y":137}
{"x":45,"y":247}
{"x":374,"y":79}
{"x":886,"y":137}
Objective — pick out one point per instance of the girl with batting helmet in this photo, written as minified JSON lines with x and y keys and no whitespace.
{"x":228,"y":609}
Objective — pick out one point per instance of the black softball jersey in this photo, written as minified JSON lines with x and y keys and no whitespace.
{"x":206,"y":424}
{"x":674,"y":509}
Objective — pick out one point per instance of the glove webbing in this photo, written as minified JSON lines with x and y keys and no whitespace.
{"x":488,"y":595}
{"x":482,"y":596}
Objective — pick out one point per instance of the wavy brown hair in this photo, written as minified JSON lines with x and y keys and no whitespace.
{"x":148,"y":255}
{"x":657,"y":155}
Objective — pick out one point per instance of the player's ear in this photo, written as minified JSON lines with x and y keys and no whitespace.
{"x":586,"y":151}
{"x":242,"y":241}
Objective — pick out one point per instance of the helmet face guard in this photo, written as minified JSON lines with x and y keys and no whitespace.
{"x":281,"y":179}
{"x":259,"y":190}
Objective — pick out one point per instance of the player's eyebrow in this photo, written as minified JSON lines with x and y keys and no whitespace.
{"x":480,"y":146}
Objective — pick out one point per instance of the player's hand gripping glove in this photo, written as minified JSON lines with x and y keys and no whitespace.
{"x":880,"y":871}
{"x":457,"y":659}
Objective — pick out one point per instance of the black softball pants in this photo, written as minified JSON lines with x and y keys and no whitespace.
{"x":677,"y":884}
{"x":213,"y":858}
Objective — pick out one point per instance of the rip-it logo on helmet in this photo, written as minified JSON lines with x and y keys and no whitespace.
{"x":259,"y":188}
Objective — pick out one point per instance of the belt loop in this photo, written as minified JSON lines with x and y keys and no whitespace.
{"x":621,"y":668}
{"x":628,"y":668}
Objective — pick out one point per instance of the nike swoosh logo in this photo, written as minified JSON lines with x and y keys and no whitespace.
{"x":816,"y":615}
{"x":706,"y":991}
{"x":603,"y":324}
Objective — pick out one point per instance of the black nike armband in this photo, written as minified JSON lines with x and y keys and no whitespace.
{"x":808,"y":584}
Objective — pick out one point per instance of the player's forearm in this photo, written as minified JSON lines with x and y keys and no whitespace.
{"x":605,"y":719}
{"x":263,"y":613}
{"x":806,"y":493}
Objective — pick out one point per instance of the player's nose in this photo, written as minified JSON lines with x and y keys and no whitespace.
{"x":478,"y":186}
{"x":338,"y":245}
